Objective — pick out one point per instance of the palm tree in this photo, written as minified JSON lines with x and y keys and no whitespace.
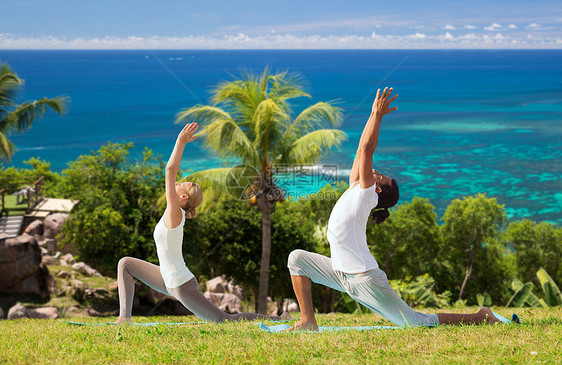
{"x":16,"y":117}
{"x":251,"y":123}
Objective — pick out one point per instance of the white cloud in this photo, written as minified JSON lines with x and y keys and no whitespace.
{"x":468,"y":26}
{"x":493,"y":27}
{"x":512,"y":26}
{"x":286,"y":41}
{"x":449,"y":27}
{"x":533,"y":26}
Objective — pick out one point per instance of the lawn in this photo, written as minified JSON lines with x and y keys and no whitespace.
{"x":55,"y":341}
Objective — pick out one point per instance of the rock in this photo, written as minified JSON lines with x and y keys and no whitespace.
{"x":35,"y":228}
{"x":49,"y":260}
{"x":52,"y":224}
{"x":1,"y":313}
{"x":85,"y":269}
{"x":44,"y":313}
{"x":57,"y":255}
{"x":217,"y":285}
{"x":93,"y":313}
{"x":64,"y":274}
{"x":236,"y":290}
{"x":290,"y":306}
{"x":114,"y":286}
{"x":68,"y":258}
{"x":17,"y":311}
{"x":227,"y":302}
{"x":74,"y":311}
{"x":21,"y":269}
{"x":78,"y":290}
{"x":19,"y":259}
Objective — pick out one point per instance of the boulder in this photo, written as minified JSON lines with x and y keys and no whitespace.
{"x":64,"y":274}
{"x":220,"y":285}
{"x":1,"y":313}
{"x":21,"y":269}
{"x":17,"y":311}
{"x":35,"y":228}
{"x":236,"y":290}
{"x":78,"y":290}
{"x":44,"y":313}
{"x":85,"y":269}
{"x":49,"y":260}
{"x":217,"y":285}
{"x":227,"y":302}
{"x":19,"y":259}
{"x":68,"y":258}
{"x":52,"y":225}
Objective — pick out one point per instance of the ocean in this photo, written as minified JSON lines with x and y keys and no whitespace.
{"x":468,"y":122}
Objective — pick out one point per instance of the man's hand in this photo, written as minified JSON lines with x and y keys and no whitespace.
{"x":381,"y":105}
{"x":186,"y":134}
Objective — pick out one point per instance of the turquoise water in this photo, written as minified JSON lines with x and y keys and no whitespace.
{"x":468,"y":121}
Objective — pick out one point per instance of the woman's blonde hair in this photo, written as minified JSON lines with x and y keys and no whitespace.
{"x":195,"y":199}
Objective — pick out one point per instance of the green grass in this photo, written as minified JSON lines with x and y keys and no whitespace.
{"x":55,"y":341}
{"x":12,"y":207}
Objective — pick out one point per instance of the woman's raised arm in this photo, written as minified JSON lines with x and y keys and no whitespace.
{"x":172,"y":216}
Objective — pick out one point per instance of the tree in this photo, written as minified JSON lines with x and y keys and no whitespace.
{"x":227,"y":245}
{"x":535,"y":246}
{"x":117,"y":208}
{"x":470,"y":225}
{"x":408,"y":244}
{"x":16,"y":117}
{"x":251,"y":122}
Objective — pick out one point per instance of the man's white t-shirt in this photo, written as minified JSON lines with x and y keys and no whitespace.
{"x":347,"y":228}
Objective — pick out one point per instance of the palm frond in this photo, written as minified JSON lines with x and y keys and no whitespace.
{"x":227,"y":140}
{"x":202,"y":114}
{"x":311,"y":147}
{"x":213,"y":184}
{"x":285,"y":86}
{"x":7,"y":148}
{"x":10,"y":84}
{"x":318,"y":116}
{"x":24,"y":115}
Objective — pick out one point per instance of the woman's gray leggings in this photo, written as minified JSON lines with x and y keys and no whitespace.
{"x":188,"y":293}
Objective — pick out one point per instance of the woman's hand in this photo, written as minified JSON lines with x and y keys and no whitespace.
{"x":186,"y":134}
{"x":381,"y":105}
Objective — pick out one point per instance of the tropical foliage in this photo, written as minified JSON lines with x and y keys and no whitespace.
{"x":16,"y":117}
{"x":251,"y":123}
{"x":117,"y":208}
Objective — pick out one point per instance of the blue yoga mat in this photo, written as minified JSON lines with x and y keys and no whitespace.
{"x":135,"y":324}
{"x":282,"y":327}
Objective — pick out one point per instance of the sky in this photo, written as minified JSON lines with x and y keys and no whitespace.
{"x":286,"y":24}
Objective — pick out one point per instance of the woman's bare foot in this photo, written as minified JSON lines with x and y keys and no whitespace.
{"x":285,"y":316}
{"x":488,"y":315}
{"x":123,"y":320}
{"x":304,"y":326}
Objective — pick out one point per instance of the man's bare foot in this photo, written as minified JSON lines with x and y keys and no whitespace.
{"x":123,"y":320}
{"x":285,"y":316}
{"x":304,"y":326}
{"x":488,"y":315}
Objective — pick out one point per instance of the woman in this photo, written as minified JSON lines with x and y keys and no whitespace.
{"x":352,"y":268}
{"x":173,"y":277}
